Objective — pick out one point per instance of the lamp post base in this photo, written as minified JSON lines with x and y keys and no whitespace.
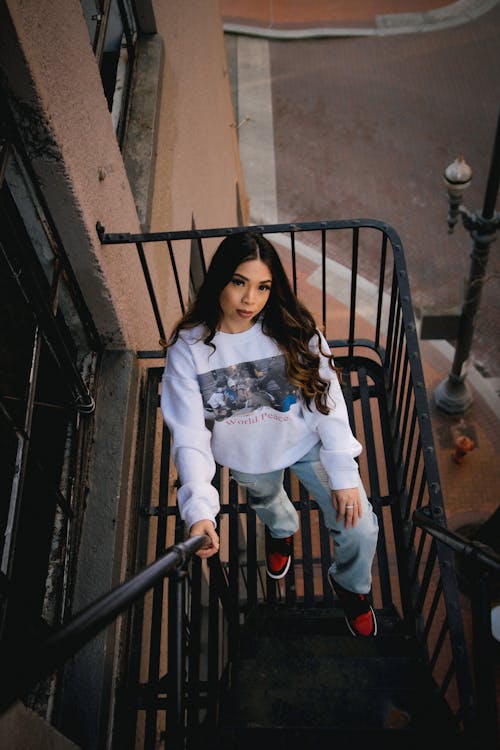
{"x":453,"y":395}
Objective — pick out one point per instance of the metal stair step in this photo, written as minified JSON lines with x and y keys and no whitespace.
{"x":306,"y":671}
{"x":330,"y":708}
{"x":331,"y":640}
{"x":326,"y":739}
{"x":298,"y":671}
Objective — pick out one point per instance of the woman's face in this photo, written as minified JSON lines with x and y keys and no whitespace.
{"x":245,"y":296}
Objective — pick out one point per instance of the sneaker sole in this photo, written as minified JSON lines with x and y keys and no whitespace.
{"x":279,"y":575}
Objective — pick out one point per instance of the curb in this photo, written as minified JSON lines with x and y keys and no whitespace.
{"x":456,"y":14}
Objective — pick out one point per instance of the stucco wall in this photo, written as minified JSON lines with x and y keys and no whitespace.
{"x":56,"y":93}
{"x":198,"y":166}
{"x":55,"y":85}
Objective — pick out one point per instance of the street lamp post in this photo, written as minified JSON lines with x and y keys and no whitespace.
{"x":452,"y":394}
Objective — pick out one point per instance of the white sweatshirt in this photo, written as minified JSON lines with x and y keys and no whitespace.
{"x":235,"y":406}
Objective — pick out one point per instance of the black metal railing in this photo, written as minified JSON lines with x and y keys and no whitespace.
{"x":370,"y":326}
{"x":482,"y":564}
{"x":22,"y":668}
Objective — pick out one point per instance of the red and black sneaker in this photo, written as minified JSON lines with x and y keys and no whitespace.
{"x":278,"y":556}
{"x":358,"y":612}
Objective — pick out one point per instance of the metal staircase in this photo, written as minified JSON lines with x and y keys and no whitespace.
{"x":222,"y":657}
{"x":299,"y":678}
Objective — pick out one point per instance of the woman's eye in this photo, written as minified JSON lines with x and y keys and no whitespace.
{"x":238,"y":282}
{"x":264,"y":288}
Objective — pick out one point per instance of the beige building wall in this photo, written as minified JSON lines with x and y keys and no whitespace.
{"x":197,"y":173}
{"x":198,"y":176}
{"x":49,"y":75}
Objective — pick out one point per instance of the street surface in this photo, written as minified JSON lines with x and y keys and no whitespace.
{"x":364,"y":127}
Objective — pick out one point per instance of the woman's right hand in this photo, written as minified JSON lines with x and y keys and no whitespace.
{"x":206,"y":527}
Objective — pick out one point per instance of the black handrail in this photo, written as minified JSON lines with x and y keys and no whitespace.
{"x":430,"y":519}
{"x":21,"y":672}
{"x":484,"y":563}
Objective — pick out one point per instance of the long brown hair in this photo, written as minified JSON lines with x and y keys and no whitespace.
{"x":284,"y":318}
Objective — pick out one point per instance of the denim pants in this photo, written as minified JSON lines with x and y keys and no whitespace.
{"x":354,"y":548}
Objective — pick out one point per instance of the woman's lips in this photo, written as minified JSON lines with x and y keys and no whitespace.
{"x":245,"y":313}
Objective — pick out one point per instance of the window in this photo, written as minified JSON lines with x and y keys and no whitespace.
{"x":113,"y":32}
{"x":48,"y":353}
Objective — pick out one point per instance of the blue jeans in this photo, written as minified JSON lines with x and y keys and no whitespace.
{"x":354,"y":548}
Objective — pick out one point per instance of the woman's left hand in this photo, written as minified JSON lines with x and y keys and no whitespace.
{"x":347,"y":503}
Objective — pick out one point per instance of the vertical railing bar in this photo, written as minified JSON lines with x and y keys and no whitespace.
{"x":368,"y":432}
{"x":202,"y":256}
{"x":173,"y":656}
{"x":386,"y":444}
{"x":180,"y":677}
{"x":413,"y":480}
{"x":326,"y":560}
{"x":234,"y":573}
{"x":150,"y":286}
{"x":158,"y":590}
{"x":395,"y":343}
{"x":251,"y":558}
{"x":294,"y":261}
{"x":409,"y":392}
{"x":194,"y":650}
{"x":404,"y":425}
{"x":387,"y":363}
{"x":421,"y":492}
{"x":411,"y":446}
{"x":305,"y":527}
{"x":354,"y":282}
{"x":426,"y":578}
{"x":384,"y":574}
{"x":418,"y":557}
{"x":290,"y":580}
{"x":432,"y":610}
{"x":323,"y":279}
{"x":176,"y":276}
{"x":423,"y":484}
{"x":213,"y":651}
{"x":383,"y":258}
{"x":397,"y":372}
{"x":347,"y":392}
{"x":402,"y":390}
{"x":438,"y":645}
{"x":447,"y":678}
{"x":161,"y":538}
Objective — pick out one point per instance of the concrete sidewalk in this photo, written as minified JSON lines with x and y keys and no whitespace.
{"x":279,"y":19}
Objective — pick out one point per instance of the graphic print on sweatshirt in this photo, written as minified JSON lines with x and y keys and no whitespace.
{"x":242,"y":388}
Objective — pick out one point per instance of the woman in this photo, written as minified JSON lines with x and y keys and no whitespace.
{"x":246,"y":324}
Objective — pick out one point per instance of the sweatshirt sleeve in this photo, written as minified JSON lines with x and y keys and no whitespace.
{"x":339,"y":447}
{"x":182,"y":408}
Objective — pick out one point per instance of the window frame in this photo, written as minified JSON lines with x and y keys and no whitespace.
{"x":75,"y":357}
